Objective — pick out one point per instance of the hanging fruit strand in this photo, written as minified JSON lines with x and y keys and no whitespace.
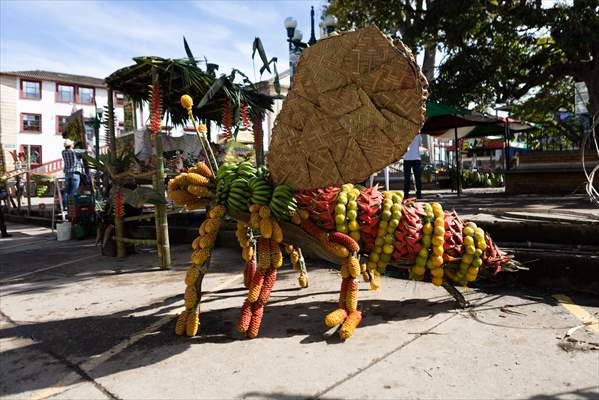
{"x":155,"y":110}
{"x":244,"y":112}
{"x":227,"y":121}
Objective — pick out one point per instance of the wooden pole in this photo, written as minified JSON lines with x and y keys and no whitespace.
{"x":161,"y":221}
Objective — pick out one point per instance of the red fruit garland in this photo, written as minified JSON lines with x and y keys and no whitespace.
{"x":119,"y":209}
{"x":155,"y":111}
{"x":227,"y":121}
{"x":244,"y":112}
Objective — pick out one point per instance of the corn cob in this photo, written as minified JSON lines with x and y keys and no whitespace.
{"x":343,"y":291}
{"x":264,"y":212}
{"x":172,"y":185}
{"x":181,"y":197}
{"x":302,"y":280}
{"x":336,"y":249}
{"x":349,"y":326}
{"x":255,"y":208}
{"x":266,"y":227}
{"x":192,"y":324}
{"x":375,"y":280}
{"x":294,"y":258}
{"x":344,"y":270}
{"x":255,"y":221}
{"x":263,"y":254}
{"x":202,"y":230}
{"x":269,"y":281}
{"x":256,"y":286}
{"x":254,"y":328}
{"x":202,"y":169}
{"x":197,"y":190}
{"x":344,"y":240}
{"x":351,"y":299}
{"x":336,"y":317}
{"x":217,"y":212}
{"x":249,"y":271}
{"x":277,"y":232}
{"x":289,"y":248}
{"x":247,"y":253}
{"x":213,"y":225}
{"x":207,"y":241}
{"x":190,"y":297}
{"x":196,"y":243}
{"x":197,"y":179}
{"x":313,"y":230}
{"x":276,"y":257}
{"x":353,"y":266}
{"x":181,"y":322}
{"x":191,"y":276}
{"x":245,"y":317}
{"x":199,"y":257}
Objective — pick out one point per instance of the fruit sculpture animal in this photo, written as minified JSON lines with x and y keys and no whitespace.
{"x":353,"y":224}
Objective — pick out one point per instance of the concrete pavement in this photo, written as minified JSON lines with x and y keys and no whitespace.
{"x":103,"y":328}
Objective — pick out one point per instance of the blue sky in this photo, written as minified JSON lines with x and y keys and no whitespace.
{"x":97,"y":37}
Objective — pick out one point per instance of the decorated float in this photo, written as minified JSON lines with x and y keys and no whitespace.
{"x":356,"y":102}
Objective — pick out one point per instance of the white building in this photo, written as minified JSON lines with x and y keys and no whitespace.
{"x":34,"y":106}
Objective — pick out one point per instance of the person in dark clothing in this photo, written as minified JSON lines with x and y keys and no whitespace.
{"x":3,"y":231}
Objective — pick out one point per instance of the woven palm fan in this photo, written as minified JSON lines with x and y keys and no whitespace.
{"x":356,"y":103}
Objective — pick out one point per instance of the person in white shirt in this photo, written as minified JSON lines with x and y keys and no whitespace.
{"x":411,"y":162}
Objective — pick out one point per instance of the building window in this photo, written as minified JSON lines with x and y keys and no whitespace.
{"x":60,"y":121}
{"x":119,"y":99}
{"x":31,"y":122}
{"x":65,"y":93}
{"x":31,"y":90}
{"x":85,"y":95}
{"x":34,"y":151}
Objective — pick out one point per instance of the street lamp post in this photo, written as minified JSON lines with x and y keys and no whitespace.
{"x":294,"y":37}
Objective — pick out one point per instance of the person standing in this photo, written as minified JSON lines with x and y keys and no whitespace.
{"x":73,"y":169}
{"x":3,"y":232}
{"x":412,"y":163}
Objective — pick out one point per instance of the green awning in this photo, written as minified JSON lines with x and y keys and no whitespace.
{"x":437,"y":109}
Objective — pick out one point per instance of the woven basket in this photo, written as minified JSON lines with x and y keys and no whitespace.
{"x":356,"y":103}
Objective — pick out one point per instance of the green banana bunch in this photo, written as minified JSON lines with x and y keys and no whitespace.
{"x":224,"y":179}
{"x":282,"y":203}
{"x":246,"y":170}
{"x":261,"y":191}
{"x":239,"y":195}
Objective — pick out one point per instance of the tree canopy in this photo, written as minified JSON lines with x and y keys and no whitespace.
{"x":495,"y":51}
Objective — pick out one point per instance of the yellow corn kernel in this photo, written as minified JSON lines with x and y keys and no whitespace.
{"x":247,"y":253}
{"x":217,"y":212}
{"x":264,"y":254}
{"x":197,"y":190}
{"x":197,"y":179}
{"x":181,"y":322}
{"x":190,"y":297}
{"x":276,"y":256}
{"x":344,"y":271}
{"x":351,"y":298}
{"x":199,"y":257}
{"x":191,"y":276}
{"x":196,"y":243}
{"x":193,"y":323}
{"x":349,"y":326}
{"x":336,"y":317}
{"x":277,"y":232}
{"x":264,"y":212}
{"x":213,"y":225}
{"x":266,"y":227}
{"x":255,"y":221}
{"x":207,"y":241}
{"x":353,"y":266}
{"x":303,"y":281}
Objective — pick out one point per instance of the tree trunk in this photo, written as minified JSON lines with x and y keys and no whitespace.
{"x":592,"y":82}
{"x":428,"y":63}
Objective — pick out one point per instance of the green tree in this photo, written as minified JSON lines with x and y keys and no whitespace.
{"x":496,"y":51}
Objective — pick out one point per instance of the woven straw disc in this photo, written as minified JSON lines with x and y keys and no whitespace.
{"x":356,"y":103}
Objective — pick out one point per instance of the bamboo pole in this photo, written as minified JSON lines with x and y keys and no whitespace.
{"x":118,"y":224}
{"x":161,"y":221}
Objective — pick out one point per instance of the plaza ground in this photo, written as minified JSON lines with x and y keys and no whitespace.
{"x":78,"y":325}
